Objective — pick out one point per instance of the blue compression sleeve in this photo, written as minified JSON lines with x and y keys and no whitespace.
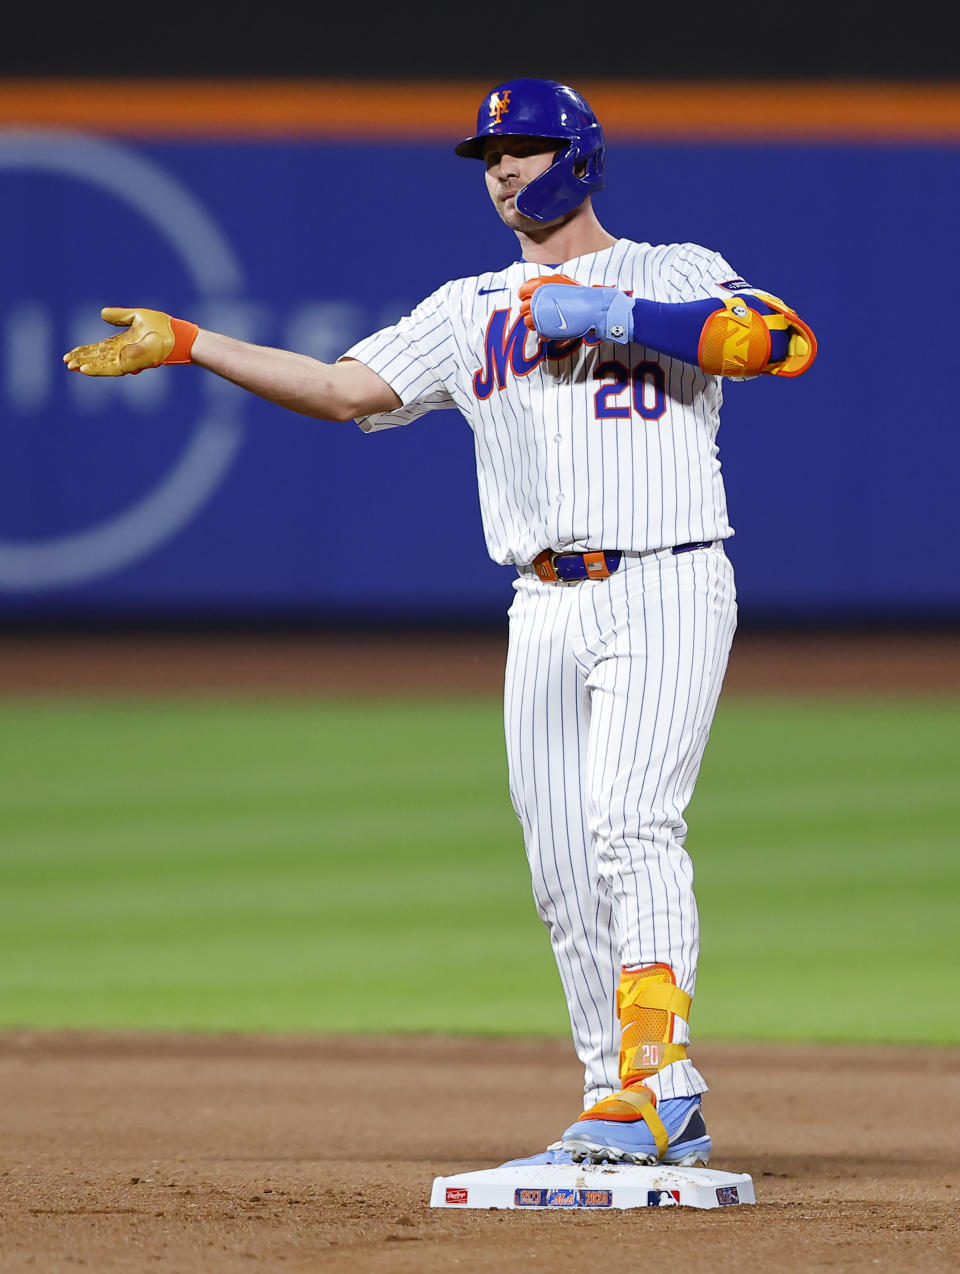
{"x":675,"y":329}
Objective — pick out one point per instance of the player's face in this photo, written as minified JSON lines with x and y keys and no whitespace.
{"x":512,"y":163}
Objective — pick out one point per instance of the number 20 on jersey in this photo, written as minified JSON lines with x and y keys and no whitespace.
{"x":645,"y":382}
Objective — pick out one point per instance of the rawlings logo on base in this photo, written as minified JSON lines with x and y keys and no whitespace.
{"x":456,"y":1194}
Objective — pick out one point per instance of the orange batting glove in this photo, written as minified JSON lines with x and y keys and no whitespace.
{"x":526,"y":291}
{"x":151,"y":338}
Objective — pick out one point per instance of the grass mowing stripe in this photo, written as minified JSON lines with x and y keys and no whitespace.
{"x":331,"y":866}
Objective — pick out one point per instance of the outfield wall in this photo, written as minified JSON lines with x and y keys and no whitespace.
{"x":308,"y":216}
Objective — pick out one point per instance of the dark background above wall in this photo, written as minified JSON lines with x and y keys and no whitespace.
{"x":748,"y":39}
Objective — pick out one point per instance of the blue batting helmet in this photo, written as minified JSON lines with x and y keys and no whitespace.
{"x":544,"y":108}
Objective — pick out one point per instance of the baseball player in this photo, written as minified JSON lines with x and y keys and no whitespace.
{"x":590,"y":372}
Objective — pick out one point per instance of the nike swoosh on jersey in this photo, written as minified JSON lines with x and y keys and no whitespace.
{"x":487,"y":291}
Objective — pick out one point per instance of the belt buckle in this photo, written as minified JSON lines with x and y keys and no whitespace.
{"x":545,"y":567}
{"x":594,"y":564}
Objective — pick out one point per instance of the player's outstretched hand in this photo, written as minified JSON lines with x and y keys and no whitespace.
{"x":151,"y":338}
{"x":526,"y":291}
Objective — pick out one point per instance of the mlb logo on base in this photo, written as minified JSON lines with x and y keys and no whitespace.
{"x":663,"y":1198}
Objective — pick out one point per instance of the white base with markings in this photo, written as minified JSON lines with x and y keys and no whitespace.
{"x":592,"y":1187}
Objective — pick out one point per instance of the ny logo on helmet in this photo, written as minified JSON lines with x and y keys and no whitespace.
{"x":499,"y":105}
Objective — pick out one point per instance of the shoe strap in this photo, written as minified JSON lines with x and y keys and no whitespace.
{"x":629,"y":1105}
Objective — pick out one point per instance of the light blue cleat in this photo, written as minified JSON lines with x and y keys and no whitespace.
{"x":552,"y":1154}
{"x":681,"y":1132}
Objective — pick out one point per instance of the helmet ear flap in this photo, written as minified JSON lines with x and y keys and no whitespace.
{"x":562,"y":188}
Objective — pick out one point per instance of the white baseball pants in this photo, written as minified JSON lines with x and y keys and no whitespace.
{"x":611,"y":687}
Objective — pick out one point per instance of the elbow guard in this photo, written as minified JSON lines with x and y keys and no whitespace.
{"x":755,"y":333}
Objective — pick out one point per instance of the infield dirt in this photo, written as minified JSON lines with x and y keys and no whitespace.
{"x":391,"y":663}
{"x":179,"y":1153}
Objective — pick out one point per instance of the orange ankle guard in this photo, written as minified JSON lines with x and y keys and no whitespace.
{"x":648,"y":1001}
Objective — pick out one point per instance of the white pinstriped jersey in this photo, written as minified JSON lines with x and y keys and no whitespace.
{"x":580,"y":446}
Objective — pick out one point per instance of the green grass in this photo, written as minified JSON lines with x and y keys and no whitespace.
{"x":825,"y":838}
{"x":338,"y":867}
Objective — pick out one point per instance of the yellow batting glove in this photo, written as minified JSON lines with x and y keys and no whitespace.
{"x":151,"y":338}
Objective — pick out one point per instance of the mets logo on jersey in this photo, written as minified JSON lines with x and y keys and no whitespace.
{"x":499,"y":105}
{"x":505,"y":351}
